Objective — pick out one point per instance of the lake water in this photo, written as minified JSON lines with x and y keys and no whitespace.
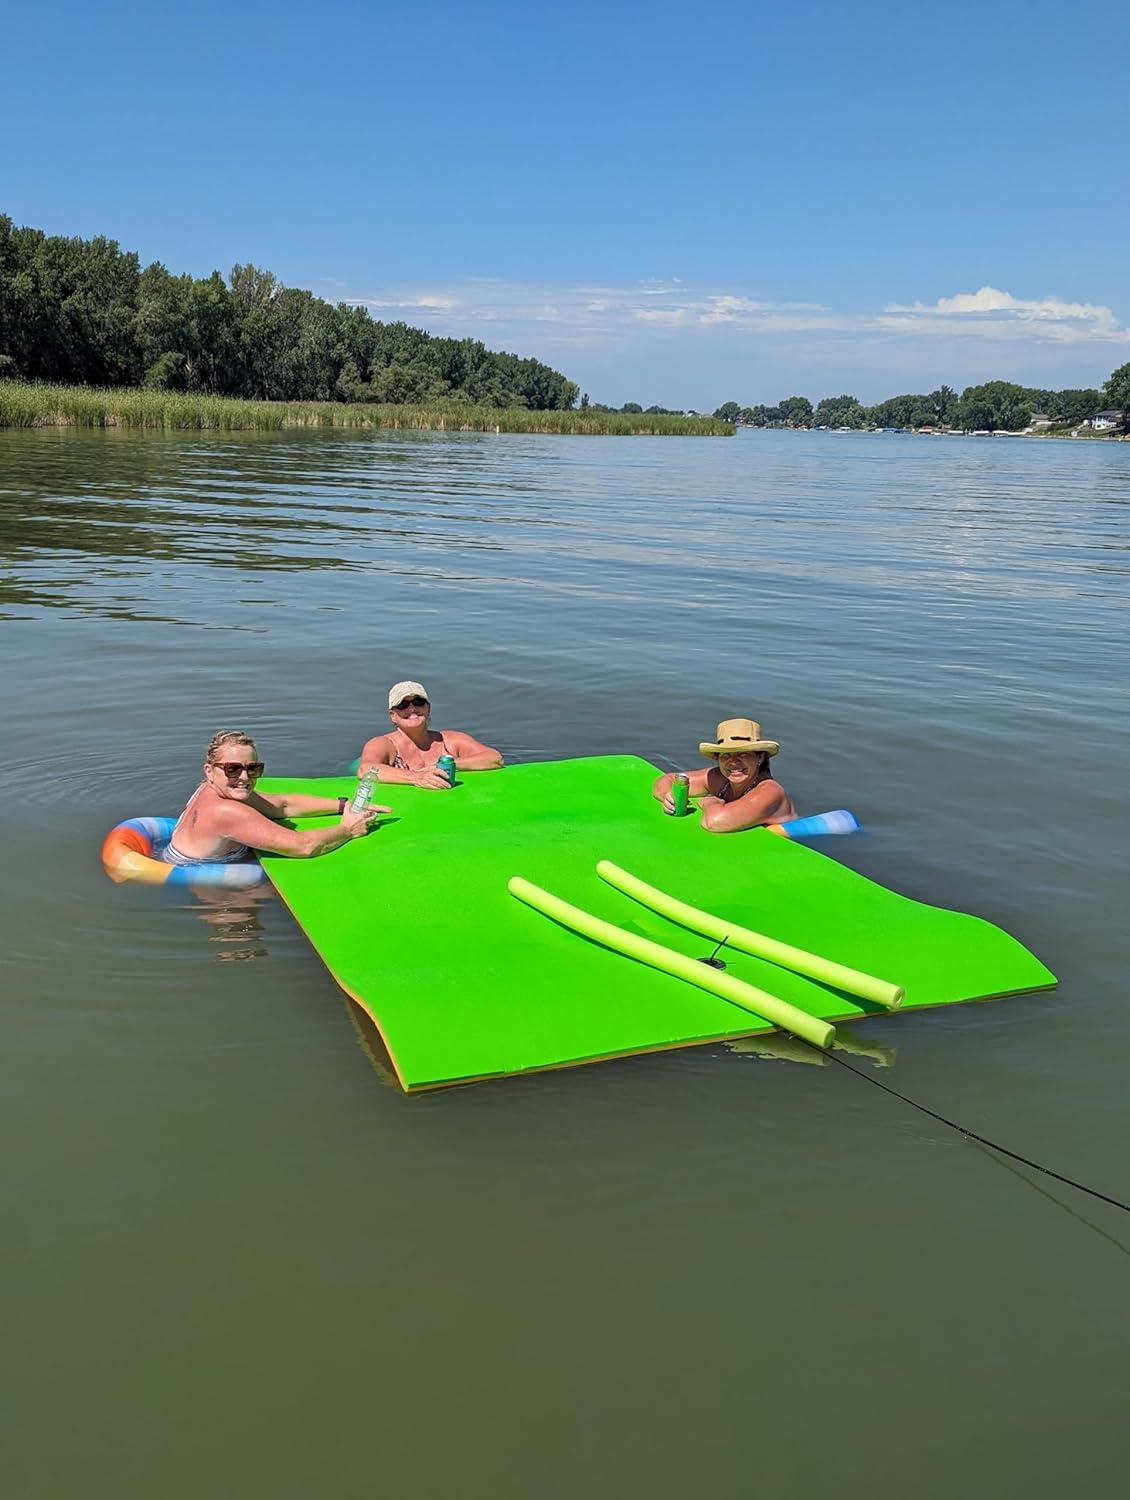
{"x":239,"y":1263}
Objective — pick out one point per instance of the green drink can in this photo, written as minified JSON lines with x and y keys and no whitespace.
{"x":446,"y":764}
{"x":680,"y":793}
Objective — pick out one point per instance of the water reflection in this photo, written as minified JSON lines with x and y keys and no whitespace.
{"x":777,"y":1046}
{"x":232,"y":918}
{"x":372,"y":1043}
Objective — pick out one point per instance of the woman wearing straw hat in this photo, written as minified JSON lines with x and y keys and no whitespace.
{"x":737,"y":791}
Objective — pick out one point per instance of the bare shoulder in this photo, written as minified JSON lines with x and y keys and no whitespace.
{"x":235,"y":819}
{"x":380,"y":748}
{"x":782,"y":805}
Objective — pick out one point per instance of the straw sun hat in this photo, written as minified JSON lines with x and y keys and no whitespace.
{"x":739,"y":737}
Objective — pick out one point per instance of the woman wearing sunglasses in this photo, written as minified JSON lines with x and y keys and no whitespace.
{"x":227,"y":820}
{"x":409,"y":754}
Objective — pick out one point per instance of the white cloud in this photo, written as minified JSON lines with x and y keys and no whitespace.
{"x":1049,"y":318}
{"x":661,"y":317}
{"x":600,"y":312}
{"x":667,"y":316}
{"x":428,"y":301}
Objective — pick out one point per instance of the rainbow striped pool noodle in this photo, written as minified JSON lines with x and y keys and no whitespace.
{"x":840,"y":821}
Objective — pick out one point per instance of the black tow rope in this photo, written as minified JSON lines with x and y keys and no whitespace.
{"x":971,"y":1135}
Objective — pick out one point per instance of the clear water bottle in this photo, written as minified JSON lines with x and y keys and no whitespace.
{"x":364,"y":793}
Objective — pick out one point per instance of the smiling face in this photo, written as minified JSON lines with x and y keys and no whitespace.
{"x":411,"y":713}
{"x":232,"y":770}
{"x":741,"y":769}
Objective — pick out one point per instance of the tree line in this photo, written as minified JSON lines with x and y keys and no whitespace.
{"x":633,"y":408}
{"x":86,"y":312}
{"x":998,"y":405}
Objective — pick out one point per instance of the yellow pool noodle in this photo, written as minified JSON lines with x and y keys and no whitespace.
{"x":826,"y":970}
{"x":655,"y":955}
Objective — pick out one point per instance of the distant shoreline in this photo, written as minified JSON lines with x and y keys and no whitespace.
{"x":1084,"y":435}
{"x":28,"y":405}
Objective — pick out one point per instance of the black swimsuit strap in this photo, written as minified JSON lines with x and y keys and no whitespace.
{"x":727,"y":792}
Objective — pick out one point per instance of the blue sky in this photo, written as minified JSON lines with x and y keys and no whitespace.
{"x":669,"y":203}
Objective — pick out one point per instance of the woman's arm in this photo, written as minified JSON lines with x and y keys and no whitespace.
{"x":471,"y":754}
{"x":246,"y":825}
{"x":697,"y":784}
{"x":764,"y":803}
{"x":300,"y":805}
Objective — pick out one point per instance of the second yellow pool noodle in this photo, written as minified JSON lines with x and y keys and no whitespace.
{"x":725,"y":986}
{"x":825,"y":970}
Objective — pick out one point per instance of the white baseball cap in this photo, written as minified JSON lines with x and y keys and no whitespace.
{"x":401,"y":690}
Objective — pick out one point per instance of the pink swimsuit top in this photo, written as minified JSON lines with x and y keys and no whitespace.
{"x":400,"y":764}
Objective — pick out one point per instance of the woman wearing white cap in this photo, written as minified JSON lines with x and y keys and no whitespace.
{"x":409,"y":754}
{"x":738,"y":791}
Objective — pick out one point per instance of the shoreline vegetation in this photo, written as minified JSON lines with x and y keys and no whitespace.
{"x":998,"y":407}
{"x":42,"y":404}
{"x":90,"y":338}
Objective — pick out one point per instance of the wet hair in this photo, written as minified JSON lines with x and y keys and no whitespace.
{"x":227,"y":737}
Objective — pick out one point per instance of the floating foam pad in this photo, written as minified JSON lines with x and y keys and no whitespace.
{"x":415,"y":922}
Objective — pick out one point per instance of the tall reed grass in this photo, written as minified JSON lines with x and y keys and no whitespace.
{"x":35,"y":405}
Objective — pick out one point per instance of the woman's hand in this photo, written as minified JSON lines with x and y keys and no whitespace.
{"x":432,"y":778}
{"x":661,"y":790}
{"x":361,"y":823}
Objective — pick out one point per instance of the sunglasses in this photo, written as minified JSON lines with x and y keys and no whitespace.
{"x":411,"y":703}
{"x":232,"y":768}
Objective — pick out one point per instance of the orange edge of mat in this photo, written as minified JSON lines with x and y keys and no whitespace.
{"x":702,"y":1041}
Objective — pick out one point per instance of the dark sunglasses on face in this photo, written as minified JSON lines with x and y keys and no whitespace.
{"x":232,"y":768}
{"x":411,"y":703}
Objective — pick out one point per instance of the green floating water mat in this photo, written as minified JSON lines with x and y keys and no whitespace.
{"x":465,"y":981}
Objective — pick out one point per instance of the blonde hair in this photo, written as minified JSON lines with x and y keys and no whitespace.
{"x":227,"y":737}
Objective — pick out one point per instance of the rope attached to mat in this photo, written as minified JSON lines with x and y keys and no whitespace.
{"x":980,"y":1139}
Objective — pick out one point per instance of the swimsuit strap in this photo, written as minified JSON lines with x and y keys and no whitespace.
{"x":173,"y":856}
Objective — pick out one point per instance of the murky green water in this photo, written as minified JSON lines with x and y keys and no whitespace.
{"x":238,"y":1263}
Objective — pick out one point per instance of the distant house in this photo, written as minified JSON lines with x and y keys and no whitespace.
{"x":1106,"y":421}
{"x":1040,"y":419}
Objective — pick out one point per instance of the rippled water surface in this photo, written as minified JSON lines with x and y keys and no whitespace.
{"x":239,"y":1262}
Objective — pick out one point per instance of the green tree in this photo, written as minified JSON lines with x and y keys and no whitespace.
{"x":942,"y":404}
{"x":902,"y":411}
{"x":729,"y":411}
{"x":83,"y":310}
{"x":1117,"y":389}
{"x":796,"y":411}
{"x":166,"y":373}
{"x":1074,"y":405}
{"x":839,"y":411}
{"x":998,"y":406}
